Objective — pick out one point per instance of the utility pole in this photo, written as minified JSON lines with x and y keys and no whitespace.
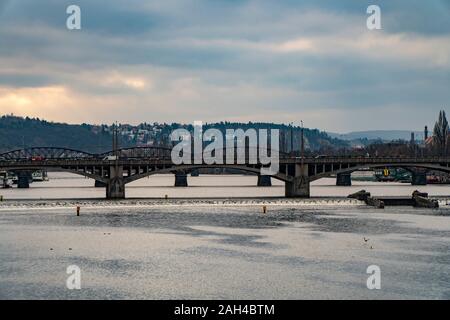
{"x":116,"y":138}
{"x":113,"y":137}
{"x":292,"y":138}
{"x":116,"y":147}
{"x":302,"y":148}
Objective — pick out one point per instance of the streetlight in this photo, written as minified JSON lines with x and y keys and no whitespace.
{"x":292,"y":137}
{"x":302,"y":149}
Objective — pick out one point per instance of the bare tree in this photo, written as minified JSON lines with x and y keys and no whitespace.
{"x":440,"y":133}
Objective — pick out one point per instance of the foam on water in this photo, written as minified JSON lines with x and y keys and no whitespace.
{"x":133,"y":203}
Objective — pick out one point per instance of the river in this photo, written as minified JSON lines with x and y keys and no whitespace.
{"x":148,"y":247}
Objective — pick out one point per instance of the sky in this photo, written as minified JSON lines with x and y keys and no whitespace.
{"x":227,"y":60}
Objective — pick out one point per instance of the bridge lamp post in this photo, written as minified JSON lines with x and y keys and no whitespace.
{"x":292,"y":137}
{"x":302,"y":148}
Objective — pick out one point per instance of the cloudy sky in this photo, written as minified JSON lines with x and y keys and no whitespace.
{"x":186,"y":60}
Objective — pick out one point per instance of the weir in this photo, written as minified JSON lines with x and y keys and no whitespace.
{"x":418,"y":199}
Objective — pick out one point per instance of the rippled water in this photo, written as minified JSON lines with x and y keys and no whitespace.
{"x":196,"y":249}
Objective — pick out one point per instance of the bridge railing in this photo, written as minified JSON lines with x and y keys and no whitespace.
{"x":40,"y":153}
{"x":156,"y":153}
{"x":166,"y":153}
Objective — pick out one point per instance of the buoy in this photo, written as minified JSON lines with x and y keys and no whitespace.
{"x":78,"y":211}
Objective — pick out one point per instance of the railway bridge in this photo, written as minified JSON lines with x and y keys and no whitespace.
{"x":117,"y":168}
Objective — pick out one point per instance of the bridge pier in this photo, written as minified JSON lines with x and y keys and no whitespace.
{"x":264,"y":181}
{"x":23,"y":179}
{"x":299,"y":188}
{"x":181,"y":179}
{"x":99,"y":184}
{"x":418,"y":178}
{"x":195,"y":173}
{"x":344,"y":179}
{"x":115,"y":187}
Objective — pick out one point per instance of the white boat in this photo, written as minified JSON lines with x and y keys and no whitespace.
{"x":38,"y":176}
{"x":5,"y":180}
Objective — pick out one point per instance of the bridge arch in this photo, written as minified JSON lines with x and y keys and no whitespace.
{"x":406,"y":166}
{"x":59,"y":169}
{"x":185,"y":168}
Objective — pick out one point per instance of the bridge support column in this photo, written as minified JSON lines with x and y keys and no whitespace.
{"x":418,"y":178}
{"x":344,"y":179}
{"x":115,"y":188}
{"x":181,"y":179}
{"x":99,"y":184}
{"x":264,"y":181}
{"x":23,"y":179}
{"x":195,"y":173}
{"x":299,"y":188}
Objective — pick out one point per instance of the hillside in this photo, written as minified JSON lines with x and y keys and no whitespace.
{"x":18,"y":132}
{"x":385,"y":135}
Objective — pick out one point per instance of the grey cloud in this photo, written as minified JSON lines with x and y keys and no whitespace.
{"x":222,"y":46}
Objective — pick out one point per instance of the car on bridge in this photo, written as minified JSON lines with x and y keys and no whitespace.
{"x":110,"y":158}
{"x":37,"y":158}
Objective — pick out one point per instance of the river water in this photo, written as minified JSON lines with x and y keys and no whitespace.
{"x":219,"y":248}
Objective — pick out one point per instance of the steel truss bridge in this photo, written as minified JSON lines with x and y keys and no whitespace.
{"x":115,"y":169}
